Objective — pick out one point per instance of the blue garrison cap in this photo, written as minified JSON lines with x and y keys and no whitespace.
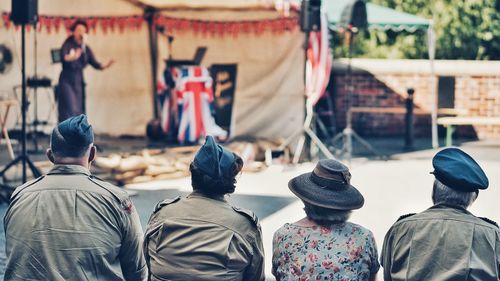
{"x":457,"y":170}
{"x":76,"y":131}
{"x":213,"y":159}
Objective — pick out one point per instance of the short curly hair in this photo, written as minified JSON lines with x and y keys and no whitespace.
{"x":325,"y":216}
{"x":208,"y":185}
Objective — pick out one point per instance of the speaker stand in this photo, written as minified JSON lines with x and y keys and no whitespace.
{"x":302,"y":132}
{"x":23,"y":158}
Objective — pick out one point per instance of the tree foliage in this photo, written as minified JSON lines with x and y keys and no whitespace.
{"x":465,"y":29}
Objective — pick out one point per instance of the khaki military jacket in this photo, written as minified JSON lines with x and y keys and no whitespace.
{"x":69,"y":225}
{"x":442,"y":244}
{"x":201,"y":238}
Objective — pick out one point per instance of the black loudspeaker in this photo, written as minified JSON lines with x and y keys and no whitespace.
{"x":24,"y":11}
{"x":354,"y":15}
{"x":310,"y":15}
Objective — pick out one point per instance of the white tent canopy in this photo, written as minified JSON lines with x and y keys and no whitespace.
{"x":269,"y":86}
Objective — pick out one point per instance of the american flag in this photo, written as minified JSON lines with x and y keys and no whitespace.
{"x":319,"y":62}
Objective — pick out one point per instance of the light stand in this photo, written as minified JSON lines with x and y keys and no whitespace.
{"x":23,"y":158}
{"x":305,"y":130}
{"x":348,"y":133}
{"x":310,"y":20}
{"x":302,"y":132}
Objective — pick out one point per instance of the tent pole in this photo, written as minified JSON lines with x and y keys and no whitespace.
{"x":149,"y":15}
{"x":431,"y":41}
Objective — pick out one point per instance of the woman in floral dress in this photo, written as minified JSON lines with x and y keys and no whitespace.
{"x":324,"y":245}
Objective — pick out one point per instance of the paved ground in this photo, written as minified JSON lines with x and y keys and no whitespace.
{"x":391,"y":188}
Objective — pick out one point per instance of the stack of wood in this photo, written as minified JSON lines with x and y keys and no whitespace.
{"x":146,"y":166}
{"x":172,"y":163}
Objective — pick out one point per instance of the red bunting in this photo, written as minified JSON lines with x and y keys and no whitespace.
{"x":68,"y":22}
{"x":6,"y":20}
{"x":171,"y":25}
{"x":92,"y":23}
{"x":56,"y":22}
{"x":40,"y":24}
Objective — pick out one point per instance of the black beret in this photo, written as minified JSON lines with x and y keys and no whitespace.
{"x":76,"y":131}
{"x":457,"y":170}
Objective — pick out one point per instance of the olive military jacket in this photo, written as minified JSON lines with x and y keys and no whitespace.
{"x":442,"y":243}
{"x":201,"y":238}
{"x":69,"y":225}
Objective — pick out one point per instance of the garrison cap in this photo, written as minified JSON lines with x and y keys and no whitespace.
{"x":213,"y":159}
{"x":74,"y":132}
{"x":456,"y":169}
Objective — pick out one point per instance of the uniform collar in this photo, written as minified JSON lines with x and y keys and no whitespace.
{"x":448,"y":206}
{"x":68,"y":169}
{"x":200,"y":194}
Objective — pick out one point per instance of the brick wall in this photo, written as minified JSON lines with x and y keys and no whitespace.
{"x":384,"y":83}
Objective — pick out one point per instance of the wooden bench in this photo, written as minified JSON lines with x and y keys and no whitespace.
{"x":451,"y":122}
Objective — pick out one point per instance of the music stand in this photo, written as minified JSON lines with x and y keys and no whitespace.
{"x":23,"y":158}
{"x":55,"y":55}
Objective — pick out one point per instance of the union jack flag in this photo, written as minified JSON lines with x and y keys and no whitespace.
{"x":194,"y":97}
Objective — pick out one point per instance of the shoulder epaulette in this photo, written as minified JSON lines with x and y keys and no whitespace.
{"x":405,"y":216}
{"x":165,"y":202}
{"x":247,"y":213}
{"x":24,"y":186}
{"x":118,"y":193}
{"x":489,"y":221}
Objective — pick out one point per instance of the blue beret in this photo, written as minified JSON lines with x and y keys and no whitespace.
{"x":213,"y":159}
{"x":457,"y":170}
{"x":76,"y":131}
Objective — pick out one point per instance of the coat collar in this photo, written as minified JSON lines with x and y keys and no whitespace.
{"x":448,"y":206}
{"x":59,"y":169}
{"x":202,"y":195}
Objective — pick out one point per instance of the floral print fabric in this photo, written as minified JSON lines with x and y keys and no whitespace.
{"x":345,"y":252}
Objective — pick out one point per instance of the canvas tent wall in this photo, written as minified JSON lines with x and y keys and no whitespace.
{"x":269,"y":93}
{"x":118,"y":99}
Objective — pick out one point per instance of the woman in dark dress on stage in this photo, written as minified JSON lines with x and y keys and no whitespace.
{"x":75,"y":55}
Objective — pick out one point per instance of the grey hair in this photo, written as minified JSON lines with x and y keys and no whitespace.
{"x":324,"y":215}
{"x":443,"y":194}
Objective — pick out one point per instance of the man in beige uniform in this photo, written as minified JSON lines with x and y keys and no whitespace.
{"x":202,"y":237}
{"x":445,"y":242}
{"x":69,"y":225}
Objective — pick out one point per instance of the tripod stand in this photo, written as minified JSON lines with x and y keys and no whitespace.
{"x":348,"y":133}
{"x":306,"y":130}
{"x":23,"y":158}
